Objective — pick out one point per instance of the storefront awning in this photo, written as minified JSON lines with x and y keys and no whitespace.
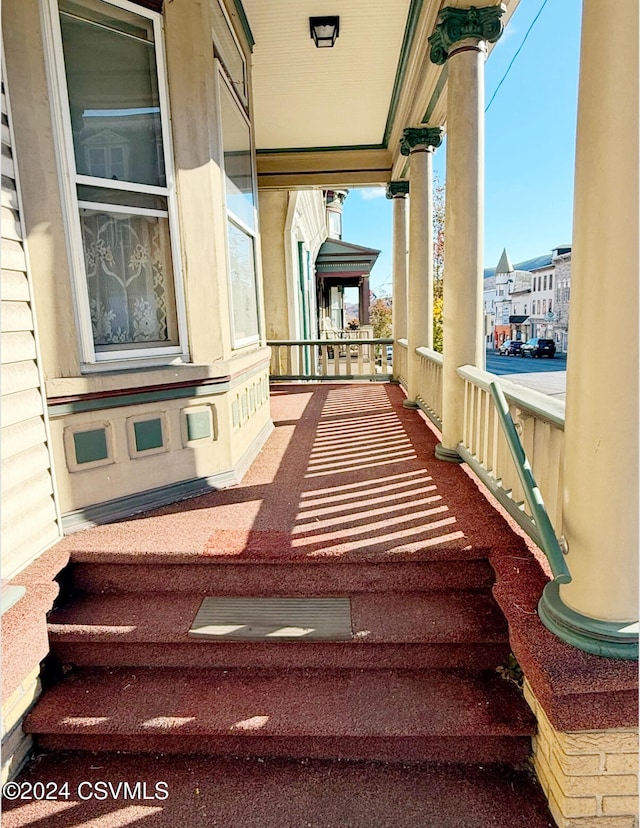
{"x":518,"y":320}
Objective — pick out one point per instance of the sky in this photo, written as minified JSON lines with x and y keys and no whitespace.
{"x":529,"y":145}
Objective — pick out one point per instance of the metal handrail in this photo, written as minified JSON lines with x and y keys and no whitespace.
{"x":548,"y":540}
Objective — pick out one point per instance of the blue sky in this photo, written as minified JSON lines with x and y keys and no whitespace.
{"x":529,"y":145}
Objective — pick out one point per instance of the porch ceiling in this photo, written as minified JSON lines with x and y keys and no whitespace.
{"x":330,"y":117}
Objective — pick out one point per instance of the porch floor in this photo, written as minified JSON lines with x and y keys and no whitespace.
{"x":406,"y":724}
{"x":348,"y":474}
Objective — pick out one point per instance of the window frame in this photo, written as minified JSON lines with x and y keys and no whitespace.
{"x":70,"y":179}
{"x":222,"y":81}
{"x":219,"y":55}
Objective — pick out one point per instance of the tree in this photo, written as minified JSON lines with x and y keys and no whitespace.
{"x":380,"y":316}
{"x":439,"y":195}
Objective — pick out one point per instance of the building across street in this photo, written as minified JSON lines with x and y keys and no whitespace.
{"x":530,"y":299}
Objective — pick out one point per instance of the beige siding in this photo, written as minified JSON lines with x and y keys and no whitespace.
{"x":29,"y":520}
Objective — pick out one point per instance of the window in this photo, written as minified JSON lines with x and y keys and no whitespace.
{"x":550,"y":303}
{"x":550,"y":281}
{"x":240,"y":199}
{"x":121,"y":209}
{"x":228,"y":52}
{"x":545,"y":281}
{"x":335,"y":224}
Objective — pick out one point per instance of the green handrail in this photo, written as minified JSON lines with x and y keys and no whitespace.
{"x":548,"y":539}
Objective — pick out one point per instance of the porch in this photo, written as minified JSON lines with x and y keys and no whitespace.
{"x":346,"y":499}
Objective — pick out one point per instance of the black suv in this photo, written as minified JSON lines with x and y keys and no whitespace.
{"x":538,"y":348}
{"x":510,"y":347}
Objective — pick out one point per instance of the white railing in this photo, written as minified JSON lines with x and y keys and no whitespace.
{"x":539,"y":421}
{"x":429,"y":395}
{"x":331,"y":359}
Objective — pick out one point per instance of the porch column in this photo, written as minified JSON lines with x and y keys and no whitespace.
{"x":598,"y":610}
{"x":363,"y":311}
{"x":398,"y":191}
{"x":418,"y":143}
{"x":460,"y":38}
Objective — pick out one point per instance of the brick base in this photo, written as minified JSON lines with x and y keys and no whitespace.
{"x":590,"y":778}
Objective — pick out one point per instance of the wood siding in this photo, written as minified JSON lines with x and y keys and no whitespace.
{"x":29,"y":519}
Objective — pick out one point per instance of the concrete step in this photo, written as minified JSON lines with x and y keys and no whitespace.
{"x":418,"y":629}
{"x":386,"y":715}
{"x":241,"y":793}
{"x":287,"y":577}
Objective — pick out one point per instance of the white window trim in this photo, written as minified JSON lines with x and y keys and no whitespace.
{"x":230,"y":216}
{"x":244,"y":98}
{"x":69,"y":179}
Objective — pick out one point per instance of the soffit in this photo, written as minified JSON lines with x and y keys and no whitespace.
{"x":356,"y":97}
{"x":309,"y":97}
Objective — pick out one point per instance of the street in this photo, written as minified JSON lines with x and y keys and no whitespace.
{"x":549,"y":376}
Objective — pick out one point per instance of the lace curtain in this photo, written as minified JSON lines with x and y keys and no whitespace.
{"x":128,"y":268}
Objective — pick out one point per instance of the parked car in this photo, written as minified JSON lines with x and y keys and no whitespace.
{"x":510,"y":347}
{"x":538,"y":348}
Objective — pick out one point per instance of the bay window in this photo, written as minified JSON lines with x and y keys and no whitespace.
{"x":120,"y":196}
{"x":240,"y":200}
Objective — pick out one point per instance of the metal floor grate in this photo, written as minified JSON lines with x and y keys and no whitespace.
{"x":273,"y":619}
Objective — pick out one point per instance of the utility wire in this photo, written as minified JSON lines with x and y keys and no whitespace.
{"x":533,"y":22}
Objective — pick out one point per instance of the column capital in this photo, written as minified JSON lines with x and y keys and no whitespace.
{"x":412,"y":137}
{"x":397,"y":188}
{"x":455,"y":24}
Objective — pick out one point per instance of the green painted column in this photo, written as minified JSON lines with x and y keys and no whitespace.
{"x":460,"y":39}
{"x":598,"y":610}
{"x":398,"y":191}
{"x":418,"y":143}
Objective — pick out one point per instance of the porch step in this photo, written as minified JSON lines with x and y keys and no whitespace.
{"x":387,"y":715}
{"x":419,"y":629}
{"x":240,"y":793}
{"x":198,"y":574}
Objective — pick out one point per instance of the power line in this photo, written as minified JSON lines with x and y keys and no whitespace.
{"x":533,"y":22}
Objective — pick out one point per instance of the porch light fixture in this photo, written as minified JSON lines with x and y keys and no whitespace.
{"x":324,"y":31}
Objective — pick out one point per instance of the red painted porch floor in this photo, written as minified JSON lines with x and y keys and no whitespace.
{"x":346,"y":498}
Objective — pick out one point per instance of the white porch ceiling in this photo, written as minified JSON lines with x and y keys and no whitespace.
{"x":356,"y":97}
{"x":308,"y":97}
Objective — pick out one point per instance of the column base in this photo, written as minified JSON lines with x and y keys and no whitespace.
{"x":447,"y":454}
{"x":412,"y":404}
{"x":604,"y":638}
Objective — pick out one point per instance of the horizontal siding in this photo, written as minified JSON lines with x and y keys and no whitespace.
{"x":29,"y":519}
{"x":20,"y":406}
{"x":23,"y":466}
{"x":13,"y":255}
{"x":9,"y":195}
{"x":15,"y":287}
{"x":23,"y":542}
{"x":22,"y":436}
{"x":16,"y":316}
{"x":18,"y":376}
{"x":17,"y":346}
{"x":36,"y":488}
{"x":7,"y":166}
{"x":10,"y":224}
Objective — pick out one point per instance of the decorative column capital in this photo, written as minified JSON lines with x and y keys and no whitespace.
{"x":395,"y":189}
{"x":412,"y":137}
{"x":456,"y":24}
